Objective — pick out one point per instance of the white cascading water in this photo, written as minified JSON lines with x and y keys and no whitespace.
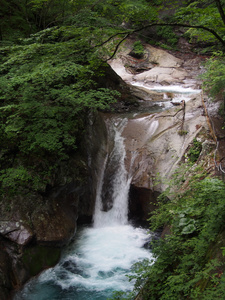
{"x":98,"y":262}
{"x":118,"y":214}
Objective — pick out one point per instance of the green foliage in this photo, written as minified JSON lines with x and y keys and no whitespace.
{"x":138,"y":12}
{"x":214,"y":77}
{"x":119,"y":295}
{"x":48,"y":88}
{"x":184,"y":267}
{"x":204,"y":14}
{"x":11,"y":178}
{"x":182,"y":132}
{"x":21,"y":19}
{"x":30,"y":16}
{"x":40,"y":90}
{"x":138,"y":50}
{"x":49,"y":80}
{"x":14,"y":20}
{"x":167,"y":33}
{"x":194,"y":151}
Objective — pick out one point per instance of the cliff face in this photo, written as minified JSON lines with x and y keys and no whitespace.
{"x":33,"y":230}
{"x":35,"y":225}
{"x":158,"y":141}
{"x":161,"y":140}
{"x":156,"y":144}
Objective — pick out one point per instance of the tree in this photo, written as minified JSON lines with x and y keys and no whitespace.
{"x":204,"y":21}
{"x":48,"y":88}
{"x":15,"y":20}
{"x":49,"y":81}
{"x":209,"y":15}
{"x":214,"y":77}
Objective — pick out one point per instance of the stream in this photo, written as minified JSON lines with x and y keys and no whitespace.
{"x":101,"y":257}
{"x":97,"y":263}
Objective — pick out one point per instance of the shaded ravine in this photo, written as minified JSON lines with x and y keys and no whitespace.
{"x":101,"y":257}
{"x":97,"y":263}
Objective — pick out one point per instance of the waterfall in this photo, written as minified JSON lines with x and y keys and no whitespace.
{"x":119,"y":182}
{"x":97,"y":263}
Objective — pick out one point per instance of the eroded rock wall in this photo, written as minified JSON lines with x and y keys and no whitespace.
{"x":156,"y":143}
{"x":35,"y":226}
{"x":157,"y":66}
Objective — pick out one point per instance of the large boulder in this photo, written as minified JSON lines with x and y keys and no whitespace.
{"x":35,"y":228}
{"x":16,"y":232}
{"x":156,"y":66}
{"x":159,"y":142}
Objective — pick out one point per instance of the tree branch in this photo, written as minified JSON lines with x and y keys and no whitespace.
{"x":111,"y":37}
{"x":117,"y":46}
{"x":165,"y":116}
{"x":220,"y":9}
{"x":127,"y":33}
{"x":213,"y":32}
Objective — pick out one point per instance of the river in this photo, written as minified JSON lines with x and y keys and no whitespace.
{"x":97,"y":263}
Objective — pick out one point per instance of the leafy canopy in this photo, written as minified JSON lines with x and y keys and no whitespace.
{"x":208,"y":14}
{"x":214,"y":78}
{"x":49,"y":86}
{"x":51,"y":56}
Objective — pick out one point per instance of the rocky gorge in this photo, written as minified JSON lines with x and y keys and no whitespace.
{"x":167,"y":115}
{"x":161,"y":140}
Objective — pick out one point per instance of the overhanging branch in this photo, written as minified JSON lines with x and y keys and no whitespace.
{"x":128,"y":33}
{"x":220,"y":9}
{"x":213,"y":32}
{"x":117,"y":46}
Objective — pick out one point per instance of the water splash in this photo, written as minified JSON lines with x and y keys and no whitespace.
{"x":93,"y":267}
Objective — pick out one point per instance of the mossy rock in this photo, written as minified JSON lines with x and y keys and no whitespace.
{"x":37,"y":258}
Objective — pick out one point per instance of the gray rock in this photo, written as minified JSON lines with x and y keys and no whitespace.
{"x":16,"y":232}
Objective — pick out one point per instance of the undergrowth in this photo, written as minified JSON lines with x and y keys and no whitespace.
{"x":185,"y":265}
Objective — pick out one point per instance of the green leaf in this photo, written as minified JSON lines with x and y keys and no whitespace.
{"x":188,"y":229}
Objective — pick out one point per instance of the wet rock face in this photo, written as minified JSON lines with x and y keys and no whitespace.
{"x":32,"y":235}
{"x":50,"y":221}
{"x":110,"y":175}
{"x":56,"y":224}
{"x":113,"y":81}
{"x":98,"y":147}
{"x":16,"y":232}
{"x":6,"y":275}
{"x":156,"y":142}
{"x":107,"y":190}
{"x":157,"y":66}
{"x":37,"y":258}
{"x":55,"y":227}
{"x":142,"y":202}
{"x":157,"y":145}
